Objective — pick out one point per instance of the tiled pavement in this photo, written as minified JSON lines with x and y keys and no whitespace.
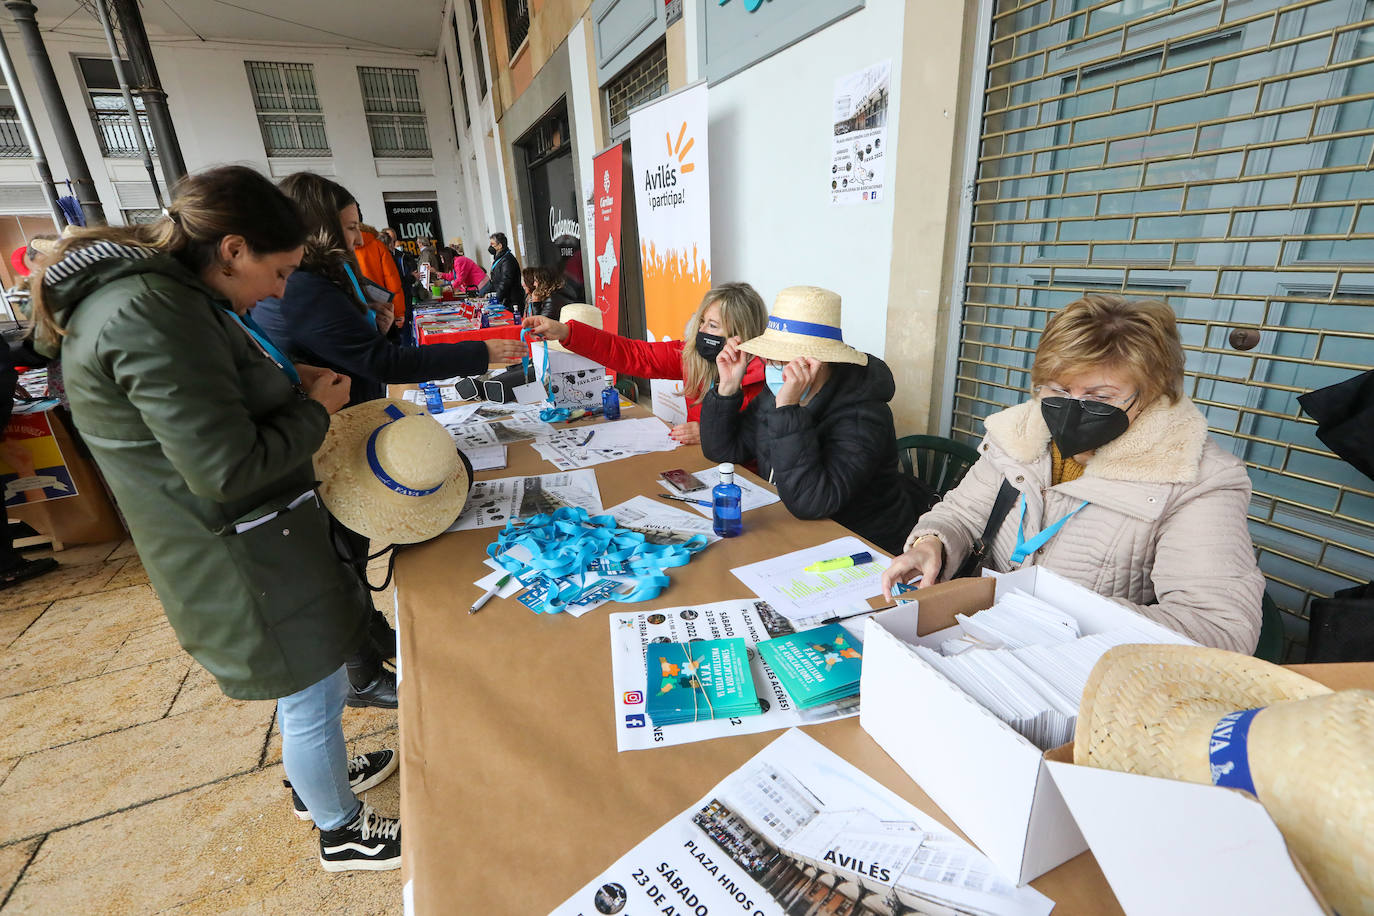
{"x":130,"y":784}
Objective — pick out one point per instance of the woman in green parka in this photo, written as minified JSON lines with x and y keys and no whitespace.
{"x":205,"y":433}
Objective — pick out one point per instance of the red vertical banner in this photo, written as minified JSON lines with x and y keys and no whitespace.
{"x":607,"y":172}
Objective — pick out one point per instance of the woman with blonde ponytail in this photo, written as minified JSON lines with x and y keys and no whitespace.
{"x":205,"y":432}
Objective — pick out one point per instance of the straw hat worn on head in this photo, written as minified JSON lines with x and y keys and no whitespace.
{"x":577,"y":311}
{"x":1215,"y":717}
{"x":805,"y":321}
{"x":390,"y":471}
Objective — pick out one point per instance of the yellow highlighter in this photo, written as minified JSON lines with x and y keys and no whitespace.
{"x":854,"y":559}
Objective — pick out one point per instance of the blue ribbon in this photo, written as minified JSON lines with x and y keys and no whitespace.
{"x":810,"y":329}
{"x":268,"y":348}
{"x":1025,"y":548}
{"x":563,"y":544}
{"x":1229,"y":751}
{"x":395,"y":414}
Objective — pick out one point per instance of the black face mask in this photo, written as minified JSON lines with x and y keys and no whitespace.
{"x":709,"y":345}
{"x":1077,"y":426}
{"x":491,"y":250}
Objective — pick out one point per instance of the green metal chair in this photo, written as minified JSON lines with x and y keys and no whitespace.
{"x":626,"y":386}
{"x":1270,"y":647}
{"x":940,"y":462}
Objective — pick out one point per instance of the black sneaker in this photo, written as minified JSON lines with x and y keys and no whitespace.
{"x":364,"y":772}
{"x":380,"y":693}
{"x":370,"y":843}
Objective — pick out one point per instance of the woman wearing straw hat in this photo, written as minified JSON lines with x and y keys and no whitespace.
{"x":322,"y":317}
{"x":1305,"y":752}
{"x":1117,"y":485}
{"x":821,"y":431}
{"x":204,"y":432}
{"x":728,"y":310}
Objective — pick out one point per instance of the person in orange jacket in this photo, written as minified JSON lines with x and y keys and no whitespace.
{"x":380,"y":267}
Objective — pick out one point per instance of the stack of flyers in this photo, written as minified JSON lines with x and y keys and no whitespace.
{"x":816,"y":667}
{"x":699,"y":680}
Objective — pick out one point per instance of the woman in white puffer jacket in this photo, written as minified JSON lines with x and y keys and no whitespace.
{"x":1153,"y":511}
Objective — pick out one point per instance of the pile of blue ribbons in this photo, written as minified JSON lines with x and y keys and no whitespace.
{"x":565,"y":543}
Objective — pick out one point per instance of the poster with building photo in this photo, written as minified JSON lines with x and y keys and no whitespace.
{"x":858,"y":153}
{"x":797,"y":829}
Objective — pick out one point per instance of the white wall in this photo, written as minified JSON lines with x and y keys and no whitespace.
{"x":772,"y":223}
{"x":212,"y":110}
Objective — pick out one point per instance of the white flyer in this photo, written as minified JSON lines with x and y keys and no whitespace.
{"x":858,"y":136}
{"x":754,"y":621}
{"x":492,"y":503}
{"x":568,"y":448}
{"x":796,"y":825}
{"x":487,"y":458}
{"x":642,"y":434}
{"x":751,"y":495}
{"x":808,"y":598}
{"x":659,"y":523}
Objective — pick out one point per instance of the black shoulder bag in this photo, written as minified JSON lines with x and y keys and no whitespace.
{"x":973,"y":564}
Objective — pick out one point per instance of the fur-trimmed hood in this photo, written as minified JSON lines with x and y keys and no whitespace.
{"x":1163,"y":445}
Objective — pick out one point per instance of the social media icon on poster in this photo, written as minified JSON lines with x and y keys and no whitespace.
{"x":633,"y":698}
{"x":634,"y":720}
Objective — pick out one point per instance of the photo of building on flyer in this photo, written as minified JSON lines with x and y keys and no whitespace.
{"x":816,"y":860}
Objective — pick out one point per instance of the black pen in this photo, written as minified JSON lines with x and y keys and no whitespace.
{"x":859,"y":613}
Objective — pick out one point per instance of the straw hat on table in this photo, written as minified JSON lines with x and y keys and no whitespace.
{"x":1307,"y":754}
{"x":577,"y":311}
{"x":805,"y":321}
{"x":391,"y":472}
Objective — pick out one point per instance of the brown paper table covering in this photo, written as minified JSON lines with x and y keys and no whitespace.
{"x":513,"y":795}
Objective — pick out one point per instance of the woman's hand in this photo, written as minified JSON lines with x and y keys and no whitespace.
{"x":546,"y":328}
{"x":309,"y":373}
{"x":385,"y":317}
{"x":686,"y":433}
{"x":329,"y":388}
{"x":924,"y":559}
{"x":503,"y":349}
{"x":731,"y":364}
{"x":797,"y":376}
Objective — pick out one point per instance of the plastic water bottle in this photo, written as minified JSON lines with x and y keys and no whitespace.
{"x":610,"y":401}
{"x":433,"y":401}
{"x":725,"y":504}
{"x":492,"y":302}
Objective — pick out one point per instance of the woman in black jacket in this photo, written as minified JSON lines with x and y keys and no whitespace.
{"x":822,"y":430}
{"x":324,"y":317}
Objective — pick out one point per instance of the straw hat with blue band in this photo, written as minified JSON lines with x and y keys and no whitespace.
{"x":577,"y":311}
{"x":805,"y":321}
{"x":1221,"y":718}
{"x":390,"y":471}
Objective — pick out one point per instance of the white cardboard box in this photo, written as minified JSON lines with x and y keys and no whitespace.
{"x":572,"y":380}
{"x":992,"y":781}
{"x":1172,"y":848}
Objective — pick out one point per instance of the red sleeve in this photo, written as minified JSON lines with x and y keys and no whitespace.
{"x":621,"y":354}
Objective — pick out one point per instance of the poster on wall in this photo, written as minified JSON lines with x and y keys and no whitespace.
{"x":672,"y":198}
{"x":414,"y":220}
{"x":858,"y":152}
{"x":607,"y":176}
{"x":32,"y":469}
{"x":798,"y":829}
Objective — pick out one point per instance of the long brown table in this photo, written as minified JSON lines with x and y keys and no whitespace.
{"x":513,"y":795}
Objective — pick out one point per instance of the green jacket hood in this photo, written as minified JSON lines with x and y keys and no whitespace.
{"x":84,"y":270}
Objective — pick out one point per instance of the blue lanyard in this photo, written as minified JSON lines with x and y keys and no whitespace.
{"x":1025,"y":548}
{"x":357,"y":288}
{"x":565,"y":543}
{"x":265,"y":344}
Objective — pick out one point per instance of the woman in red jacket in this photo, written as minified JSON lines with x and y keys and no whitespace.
{"x":728,"y":310}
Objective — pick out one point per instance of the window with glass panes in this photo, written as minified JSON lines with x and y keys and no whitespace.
{"x":641,"y":81}
{"x":1215,"y":155}
{"x":462,"y":76}
{"x":288,"y":107}
{"x":477,"y":49}
{"x":113,"y":126}
{"x":395,"y":118}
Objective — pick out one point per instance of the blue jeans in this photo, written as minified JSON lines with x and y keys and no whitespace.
{"x":313,"y":751}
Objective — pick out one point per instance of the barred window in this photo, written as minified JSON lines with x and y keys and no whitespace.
{"x":133,"y":217}
{"x":395,"y":118}
{"x":288,"y":108}
{"x":641,"y":81}
{"x":13,"y":144}
{"x":517,"y":23}
{"x":113,"y":125}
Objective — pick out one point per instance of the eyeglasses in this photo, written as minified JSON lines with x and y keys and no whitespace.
{"x":1096,"y":404}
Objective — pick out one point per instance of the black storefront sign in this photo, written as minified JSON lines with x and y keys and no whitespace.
{"x":414,"y":220}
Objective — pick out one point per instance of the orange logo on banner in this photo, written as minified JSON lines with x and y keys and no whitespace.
{"x":674,"y":281}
